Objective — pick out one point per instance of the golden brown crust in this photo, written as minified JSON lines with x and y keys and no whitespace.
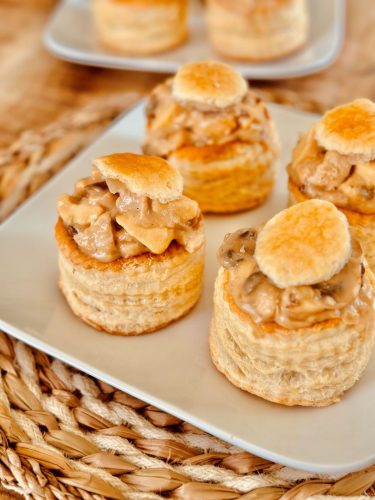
{"x":143,"y":175}
{"x":209,"y":83}
{"x":304,"y":244}
{"x":362,"y":225}
{"x":349,"y":129}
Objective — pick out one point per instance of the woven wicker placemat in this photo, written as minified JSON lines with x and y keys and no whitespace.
{"x":66,"y":435}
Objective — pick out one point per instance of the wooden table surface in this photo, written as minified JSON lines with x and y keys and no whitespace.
{"x":35,"y":87}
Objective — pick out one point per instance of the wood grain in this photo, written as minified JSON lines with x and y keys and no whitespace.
{"x":35,"y":87}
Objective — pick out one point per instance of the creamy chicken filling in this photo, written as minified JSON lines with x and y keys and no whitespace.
{"x":172,"y":125}
{"x":300,"y":306}
{"x":107,"y":221}
{"x":344,"y":180}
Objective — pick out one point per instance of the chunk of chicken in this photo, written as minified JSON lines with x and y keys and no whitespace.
{"x":98,"y":239}
{"x":75,"y":213}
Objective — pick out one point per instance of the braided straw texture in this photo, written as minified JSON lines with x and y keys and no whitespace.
{"x":65,"y":435}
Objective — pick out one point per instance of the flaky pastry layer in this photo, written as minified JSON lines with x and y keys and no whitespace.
{"x":349,"y":129}
{"x":129,"y":296}
{"x":226,"y":155}
{"x":226,"y":178}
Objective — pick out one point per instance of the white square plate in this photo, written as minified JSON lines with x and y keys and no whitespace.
{"x":171,"y":369}
{"x":70,"y":35}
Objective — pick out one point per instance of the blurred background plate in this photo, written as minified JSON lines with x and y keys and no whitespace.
{"x":70,"y":35}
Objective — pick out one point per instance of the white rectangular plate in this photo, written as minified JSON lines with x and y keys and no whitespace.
{"x":70,"y":35}
{"x":171,"y":369}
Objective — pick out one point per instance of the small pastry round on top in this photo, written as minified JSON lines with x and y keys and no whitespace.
{"x":294,"y":320}
{"x":131,"y":246}
{"x":217,"y":133}
{"x":335,"y":161}
{"x":257,"y":30}
{"x":140,"y":27}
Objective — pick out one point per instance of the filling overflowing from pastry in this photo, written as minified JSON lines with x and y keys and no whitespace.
{"x":342,"y":296}
{"x":174,"y":121}
{"x":131,"y":246}
{"x":108,"y":219}
{"x":217,"y":133}
{"x":335,"y":160}
{"x":294,"y":320}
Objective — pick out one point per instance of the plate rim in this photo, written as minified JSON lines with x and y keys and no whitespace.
{"x":152,"y":64}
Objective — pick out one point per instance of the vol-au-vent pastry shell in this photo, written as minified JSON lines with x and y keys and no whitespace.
{"x":217,"y":133}
{"x":129,"y":296}
{"x":295,"y":340}
{"x":257,"y":31}
{"x":140,"y":27}
{"x":307,"y":367}
{"x":226,"y":117}
{"x":227,"y":177}
{"x":131,"y":246}
{"x":335,"y":159}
